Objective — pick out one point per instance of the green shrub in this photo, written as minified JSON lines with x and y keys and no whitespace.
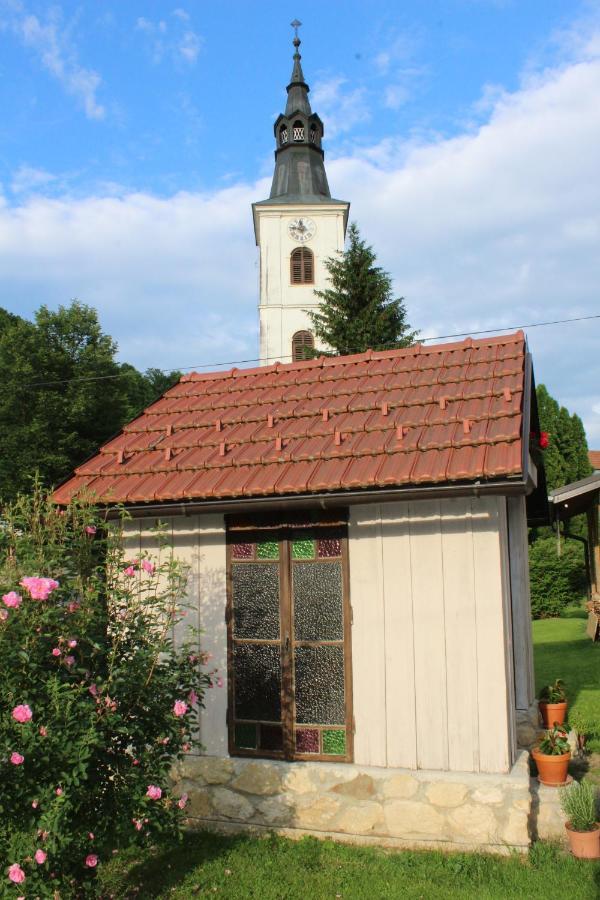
{"x":96,"y":701}
{"x":578,"y":803}
{"x":556,"y":581}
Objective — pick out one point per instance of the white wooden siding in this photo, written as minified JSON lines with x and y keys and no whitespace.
{"x":438,"y":571}
{"x":521,"y":603}
{"x":199,"y":542}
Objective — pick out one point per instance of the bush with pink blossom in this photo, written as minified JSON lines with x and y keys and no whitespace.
{"x":96,"y":700}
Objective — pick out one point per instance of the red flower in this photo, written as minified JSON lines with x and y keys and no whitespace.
{"x":544,"y":439}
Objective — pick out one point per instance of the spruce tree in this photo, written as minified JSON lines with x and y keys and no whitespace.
{"x":358,"y":311}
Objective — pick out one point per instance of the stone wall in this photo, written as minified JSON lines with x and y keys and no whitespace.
{"x":390,"y":807}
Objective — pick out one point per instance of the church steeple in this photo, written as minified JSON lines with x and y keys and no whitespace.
{"x":299,"y":168}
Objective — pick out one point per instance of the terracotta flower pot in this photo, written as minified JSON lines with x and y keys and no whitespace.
{"x":551,"y":769}
{"x":552,"y":713}
{"x":584,"y":844}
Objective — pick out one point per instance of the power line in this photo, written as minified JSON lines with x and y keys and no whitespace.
{"x":241,"y":362}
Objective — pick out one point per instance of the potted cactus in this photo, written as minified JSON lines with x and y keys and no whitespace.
{"x":553,"y":704}
{"x":578,"y":802}
{"x":552,"y":757}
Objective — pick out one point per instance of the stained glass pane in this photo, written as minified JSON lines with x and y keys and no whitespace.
{"x":318,"y":606}
{"x":267,"y":550}
{"x":242,"y":551}
{"x":303,"y":549}
{"x":334,"y":742}
{"x":328,"y":547}
{"x":271,"y":737}
{"x":307,"y":740}
{"x":255,"y":588}
{"x":319,"y":682}
{"x":245,"y":736}
{"x":257,"y":682}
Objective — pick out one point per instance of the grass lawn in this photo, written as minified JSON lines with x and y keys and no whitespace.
{"x":563,"y":650}
{"x":241,"y":868}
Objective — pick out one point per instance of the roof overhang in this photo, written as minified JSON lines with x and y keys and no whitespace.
{"x":575,"y":498}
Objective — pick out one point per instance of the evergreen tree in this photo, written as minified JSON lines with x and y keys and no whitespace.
{"x":566,"y":458}
{"x":358,"y":311}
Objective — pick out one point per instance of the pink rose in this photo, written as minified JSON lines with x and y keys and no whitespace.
{"x":129,"y":571}
{"x":182,"y":801}
{"x":16,"y":874}
{"x":186,"y":748}
{"x":16,"y":758}
{"x":58,"y":792}
{"x":73,"y":606}
{"x":39,"y":588}
{"x":148,"y":566}
{"x":135,"y":762}
{"x":90,"y":529}
{"x":91,"y":860}
{"x":137,"y":824}
{"x":180,"y":708}
{"x":91,"y":835}
{"x":56,"y":651}
{"x":40,"y":857}
{"x":35,"y":804}
{"x":72,"y":644}
{"x":12,"y":599}
{"x":69,"y":660}
{"x":3,"y":615}
{"x":154,"y":792}
{"x":93,"y":690}
{"x":43,"y":731}
{"x":22,"y":713}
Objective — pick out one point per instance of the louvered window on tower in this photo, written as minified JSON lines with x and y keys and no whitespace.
{"x":303,"y":344}
{"x":302,"y":266}
{"x":298,"y":131}
{"x":283,"y":135}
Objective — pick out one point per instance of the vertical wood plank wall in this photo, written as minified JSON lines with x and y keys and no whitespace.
{"x":521,"y":602}
{"x":199,"y":542}
{"x":431,"y":643}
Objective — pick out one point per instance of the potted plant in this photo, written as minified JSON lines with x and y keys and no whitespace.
{"x":578,"y":802}
{"x":553,"y":704}
{"x":552,"y":756}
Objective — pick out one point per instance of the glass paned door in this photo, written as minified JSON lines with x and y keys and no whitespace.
{"x":289,"y":643}
{"x":256,"y":645}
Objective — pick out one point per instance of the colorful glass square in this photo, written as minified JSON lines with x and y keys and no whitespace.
{"x":242,"y":551}
{"x":334,"y":742}
{"x":267,"y":550}
{"x":245,"y":736}
{"x":303,"y":549}
{"x":307,"y":740}
{"x":328,"y":547}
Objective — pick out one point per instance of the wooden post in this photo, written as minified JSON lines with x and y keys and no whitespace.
{"x":592,"y":521}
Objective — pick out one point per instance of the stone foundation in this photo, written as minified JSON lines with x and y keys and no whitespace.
{"x":390,"y":807}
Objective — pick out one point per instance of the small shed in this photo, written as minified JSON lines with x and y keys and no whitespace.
{"x":576,"y":499}
{"x":356,"y":531}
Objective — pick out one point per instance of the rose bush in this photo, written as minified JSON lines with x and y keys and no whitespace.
{"x":96,"y":700}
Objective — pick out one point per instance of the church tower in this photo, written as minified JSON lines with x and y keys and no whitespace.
{"x":297,"y":228}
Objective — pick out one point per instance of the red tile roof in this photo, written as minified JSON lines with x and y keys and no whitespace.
{"x":594,"y":458}
{"x":424,"y":415}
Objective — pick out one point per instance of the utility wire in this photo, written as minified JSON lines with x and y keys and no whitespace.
{"x":240,"y":362}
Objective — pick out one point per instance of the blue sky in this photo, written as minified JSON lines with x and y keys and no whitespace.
{"x":465,"y":133}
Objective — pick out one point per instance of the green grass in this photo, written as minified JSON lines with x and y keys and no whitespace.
{"x":242,"y":868}
{"x":563,"y":650}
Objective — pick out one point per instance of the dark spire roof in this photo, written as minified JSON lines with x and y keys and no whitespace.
{"x":299,"y":169}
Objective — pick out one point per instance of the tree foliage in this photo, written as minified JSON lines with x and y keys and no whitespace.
{"x":62,"y":393}
{"x":358,"y":311}
{"x":559,"y":581}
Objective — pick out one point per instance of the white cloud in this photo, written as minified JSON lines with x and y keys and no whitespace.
{"x":497,"y":227}
{"x":340,"y":108}
{"x":52,"y":45}
{"x":27,"y":179}
{"x":178,"y":41}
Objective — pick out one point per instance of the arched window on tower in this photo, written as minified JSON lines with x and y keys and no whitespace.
{"x":283,"y":135}
{"x":313,"y":133}
{"x":302,"y":269}
{"x":303,"y":343}
{"x":298,"y":130}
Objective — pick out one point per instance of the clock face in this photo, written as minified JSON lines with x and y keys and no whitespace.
{"x":302,"y":229}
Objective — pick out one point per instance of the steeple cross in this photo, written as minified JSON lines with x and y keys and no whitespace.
{"x":296,"y":25}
